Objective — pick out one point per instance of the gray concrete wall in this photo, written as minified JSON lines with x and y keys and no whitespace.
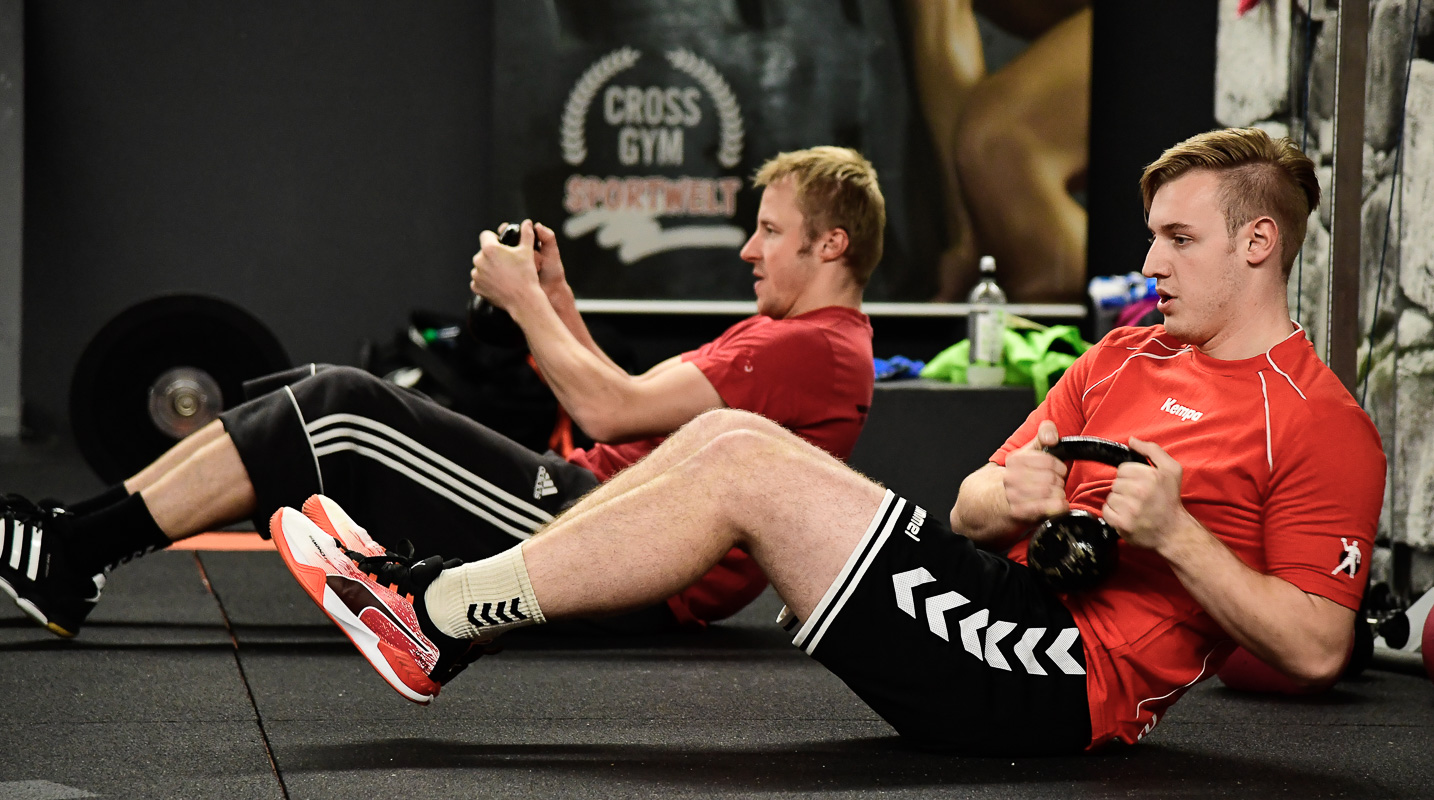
{"x":12,"y":148}
{"x":1260,"y":82}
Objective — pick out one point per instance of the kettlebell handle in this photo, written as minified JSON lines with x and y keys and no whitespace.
{"x":1094,"y":448}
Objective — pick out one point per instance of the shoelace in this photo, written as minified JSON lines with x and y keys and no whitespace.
{"x":26,"y":510}
{"x":390,"y":568}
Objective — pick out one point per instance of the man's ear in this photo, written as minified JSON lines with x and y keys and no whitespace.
{"x":833,"y":245}
{"x":1263,"y":241}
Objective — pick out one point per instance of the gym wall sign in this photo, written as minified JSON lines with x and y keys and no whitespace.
{"x":633,"y":129}
{"x":643,"y":127}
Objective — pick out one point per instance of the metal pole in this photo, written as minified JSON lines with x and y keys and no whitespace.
{"x":1343,"y":286}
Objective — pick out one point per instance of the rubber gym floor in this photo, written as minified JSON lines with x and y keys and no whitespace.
{"x":208,"y":673}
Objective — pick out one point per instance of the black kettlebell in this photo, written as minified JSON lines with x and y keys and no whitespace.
{"x":490,"y":324}
{"x":1075,"y":551}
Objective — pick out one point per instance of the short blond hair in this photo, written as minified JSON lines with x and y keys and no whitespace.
{"x":836,"y":188}
{"x":1259,"y":176}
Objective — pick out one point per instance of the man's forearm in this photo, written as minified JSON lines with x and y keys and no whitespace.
{"x":981,"y":512}
{"x":563,"y":302}
{"x":1304,"y":636}
{"x":583,"y":379}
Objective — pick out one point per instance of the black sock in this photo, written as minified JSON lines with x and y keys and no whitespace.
{"x":102,"y":540}
{"x":105,"y":499}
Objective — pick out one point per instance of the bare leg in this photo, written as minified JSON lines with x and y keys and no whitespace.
{"x":797,"y":510}
{"x":1023,"y":140}
{"x":174,"y":456}
{"x":676,"y":448}
{"x":208,"y":489}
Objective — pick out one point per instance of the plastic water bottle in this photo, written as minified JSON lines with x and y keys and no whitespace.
{"x":987,"y":325}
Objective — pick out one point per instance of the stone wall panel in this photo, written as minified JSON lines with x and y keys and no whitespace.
{"x":1378,"y":252}
{"x":1413,"y":472}
{"x":1389,"y":31}
{"x":1307,"y":292}
{"x":1252,"y":63}
{"x":1416,"y":268}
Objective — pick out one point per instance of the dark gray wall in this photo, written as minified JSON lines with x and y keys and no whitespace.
{"x":12,"y":144}
{"x":1152,"y":85}
{"x":319,"y":163}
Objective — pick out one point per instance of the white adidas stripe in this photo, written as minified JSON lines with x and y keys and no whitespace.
{"x":33,"y":568}
{"x":337,"y":440}
{"x":351,"y":433}
{"x":437,"y":488}
{"x":16,"y":542}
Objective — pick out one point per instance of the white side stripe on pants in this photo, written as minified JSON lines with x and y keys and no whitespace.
{"x":362,"y":436}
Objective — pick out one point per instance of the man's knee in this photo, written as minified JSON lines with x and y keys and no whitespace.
{"x":714,"y":423}
{"x":344,"y":390}
{"x":752,"y":454}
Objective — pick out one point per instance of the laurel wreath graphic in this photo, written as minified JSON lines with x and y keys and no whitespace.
{"x":729,"y":115}
{"x":575,"y":112}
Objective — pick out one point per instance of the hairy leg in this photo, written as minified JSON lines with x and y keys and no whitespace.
{"x":207,"y":489}
{"x":174,"y":456}
{"x":797,"y":510}
{"x":677,"y":448}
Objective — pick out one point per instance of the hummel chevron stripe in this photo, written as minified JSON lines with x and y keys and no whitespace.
{"x":904,"y":585}
{"x":1025,"y":651}
{"x":1059,"y":651}
{"x":994,"y":635}
{"x":488,"y":613}
{"x":904,"y":582}
{"x":971,"y":631}
{"x":936,"y":608}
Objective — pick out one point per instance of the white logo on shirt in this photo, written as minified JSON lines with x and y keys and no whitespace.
{"x":1183,"y":412}
{"x":1350,"y":564}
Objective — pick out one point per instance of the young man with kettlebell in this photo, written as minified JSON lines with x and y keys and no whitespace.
{"x":390,"y":455}
{"x":1262,"y":474}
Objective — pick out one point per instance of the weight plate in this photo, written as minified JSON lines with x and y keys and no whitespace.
{"x":138,"y":353}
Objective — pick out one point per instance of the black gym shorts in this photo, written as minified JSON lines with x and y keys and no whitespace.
{"x":955,"y":647}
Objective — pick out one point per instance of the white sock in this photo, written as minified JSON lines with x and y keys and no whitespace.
{"x":485,"y":598}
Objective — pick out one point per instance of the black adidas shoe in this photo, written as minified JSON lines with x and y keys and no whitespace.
{"x":33,"y":568}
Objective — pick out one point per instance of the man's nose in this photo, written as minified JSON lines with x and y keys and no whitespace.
{"x":750,"y":251}
{"x":1154,"y":266}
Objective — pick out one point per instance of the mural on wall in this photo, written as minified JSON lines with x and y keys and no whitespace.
{"x":1272,"y":55}
{"x":633,"y":128}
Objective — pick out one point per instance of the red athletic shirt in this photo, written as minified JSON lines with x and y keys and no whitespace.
{"x":812,"y":374}
{"x":1279,"y":463}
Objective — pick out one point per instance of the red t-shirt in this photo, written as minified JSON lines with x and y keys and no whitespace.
{"x":1279,"y":463}
{"x":812,"y":374}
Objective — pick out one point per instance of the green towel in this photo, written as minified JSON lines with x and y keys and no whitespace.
{"x":1026,"y":355}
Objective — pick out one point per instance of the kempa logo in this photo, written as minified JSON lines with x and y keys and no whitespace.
{"x":1187,"y":414}
{"x":651,"y":125}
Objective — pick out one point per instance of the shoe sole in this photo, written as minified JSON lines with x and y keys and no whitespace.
{"x":334,"y":521}
{"x":303,"y":553}
{"x":33,"y":612}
